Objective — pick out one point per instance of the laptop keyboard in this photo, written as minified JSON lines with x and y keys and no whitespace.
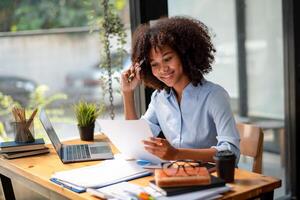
{"x":76,"y":152}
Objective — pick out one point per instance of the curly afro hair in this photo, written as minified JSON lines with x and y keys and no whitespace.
{"x":188,"y":37}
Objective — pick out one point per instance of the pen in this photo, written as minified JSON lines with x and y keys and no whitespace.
{"x":140,"y":196}
{"x":132,"y":194}
{"x":145,"y":196}
{"x":143,"y":162}
{"x":131,"y":76}
{"x":28,"y":123}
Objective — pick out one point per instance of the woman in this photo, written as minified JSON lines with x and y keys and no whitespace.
{"x":192,"y":114}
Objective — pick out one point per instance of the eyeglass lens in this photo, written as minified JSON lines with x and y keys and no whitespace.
{"x":181,"y":168}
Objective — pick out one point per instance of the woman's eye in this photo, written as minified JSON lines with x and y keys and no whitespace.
{"x":168,"y":59}
{"x":154,"y":65}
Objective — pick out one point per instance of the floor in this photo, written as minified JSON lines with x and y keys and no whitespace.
{"x":273,"y":167}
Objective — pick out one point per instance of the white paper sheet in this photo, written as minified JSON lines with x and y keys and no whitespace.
{"x":211,"y":193}
{"x":124,"y":190}
{"x":127,"y":136}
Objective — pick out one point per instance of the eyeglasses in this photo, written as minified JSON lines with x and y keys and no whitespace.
{"x":181,"y":167}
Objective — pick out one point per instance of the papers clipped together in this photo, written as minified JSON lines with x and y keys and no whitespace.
{"x":103,"y":174}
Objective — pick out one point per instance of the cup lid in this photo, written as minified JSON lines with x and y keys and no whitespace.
{"x":225,"y":154}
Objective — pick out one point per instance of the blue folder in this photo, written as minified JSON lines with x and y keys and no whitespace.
{"x":69,"y":186}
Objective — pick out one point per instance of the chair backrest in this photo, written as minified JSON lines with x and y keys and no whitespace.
{"x":252,"y":144}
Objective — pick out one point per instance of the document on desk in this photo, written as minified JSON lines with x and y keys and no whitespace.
{"x":212,"y":193}
{"x":127,"y":136}
{"x":123,"y":190}
{"x":105,"y":173}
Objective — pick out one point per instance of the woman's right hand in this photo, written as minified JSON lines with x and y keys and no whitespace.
{"x":129,"y":84}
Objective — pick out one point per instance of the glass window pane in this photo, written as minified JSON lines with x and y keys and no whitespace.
{"x":264,"y":46}
{"x":222,"y":28}
{"x":264,"y":68}
{"x":53,"y":54}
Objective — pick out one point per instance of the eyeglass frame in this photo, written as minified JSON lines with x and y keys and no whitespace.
{"x":171,"y":163}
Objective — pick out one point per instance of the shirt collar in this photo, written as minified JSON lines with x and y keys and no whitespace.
{"x":190,"y":90}
{"x":168,"y":93}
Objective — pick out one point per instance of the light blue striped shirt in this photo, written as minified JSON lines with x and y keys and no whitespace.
{"x":203,"y":120}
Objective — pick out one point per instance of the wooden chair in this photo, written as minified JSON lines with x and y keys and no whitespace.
{"x":252,"y":144}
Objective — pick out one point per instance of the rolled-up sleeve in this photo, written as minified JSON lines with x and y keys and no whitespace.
{"x":151,"y":118}
{"x":227,"y":133}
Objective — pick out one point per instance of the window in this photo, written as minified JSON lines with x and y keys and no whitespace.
{"x":258,"y":97}
{"x":47,"y":50}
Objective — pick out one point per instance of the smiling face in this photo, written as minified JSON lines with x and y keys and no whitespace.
{"x":167,"y":67}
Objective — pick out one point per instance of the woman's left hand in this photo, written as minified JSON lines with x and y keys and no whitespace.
{"x":161,"y":148}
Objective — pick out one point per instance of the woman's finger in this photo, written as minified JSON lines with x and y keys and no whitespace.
{"x":149,"y":149}
{"x":130,"y":74}
{"x":125,"y":74}
{"x":133,"y":67}
{"x":154,"y":151}
{"x":138,"y":73}
{"x":161,"y":150}
{"x":156,"y":139}
{"x":153,"y":143}
{"x":134,"y":71}
{"x":147,"y":142}
{"x":159,"y":141}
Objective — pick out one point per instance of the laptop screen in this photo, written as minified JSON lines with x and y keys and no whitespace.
{"x":50,"y":131}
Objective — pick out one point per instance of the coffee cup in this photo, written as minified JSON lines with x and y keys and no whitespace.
{"x":225,"y":165}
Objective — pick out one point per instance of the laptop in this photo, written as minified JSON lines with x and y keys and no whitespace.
{"x":77,"y":152}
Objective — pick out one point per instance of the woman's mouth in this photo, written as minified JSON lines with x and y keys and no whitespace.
{"x":167,"y":76}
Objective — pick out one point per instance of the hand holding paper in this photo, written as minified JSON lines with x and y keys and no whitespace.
{"x":118,"y":131}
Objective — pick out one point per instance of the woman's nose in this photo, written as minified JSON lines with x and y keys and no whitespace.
{"x":164,"y":68}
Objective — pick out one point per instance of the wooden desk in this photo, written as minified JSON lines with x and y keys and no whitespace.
{"x":35,"y":172}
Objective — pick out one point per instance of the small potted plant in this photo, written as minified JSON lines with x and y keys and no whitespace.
{"x":86,"y":114}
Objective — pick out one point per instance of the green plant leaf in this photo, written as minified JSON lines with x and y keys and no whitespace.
{"x":86,"y":113}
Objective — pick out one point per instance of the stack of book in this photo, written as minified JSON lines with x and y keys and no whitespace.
{"x":13,"y":149}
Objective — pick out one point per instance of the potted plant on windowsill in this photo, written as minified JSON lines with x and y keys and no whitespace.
{"x":86,"y":114}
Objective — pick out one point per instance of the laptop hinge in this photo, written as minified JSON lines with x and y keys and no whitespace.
{"x":61,"y":152}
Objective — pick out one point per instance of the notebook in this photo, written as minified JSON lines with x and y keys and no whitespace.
{"x":12,"y":146}
{"x":188,"y":176}
{"x":103,"y":174}
{"x":20,"y":154}
{"x":75,"y":153}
